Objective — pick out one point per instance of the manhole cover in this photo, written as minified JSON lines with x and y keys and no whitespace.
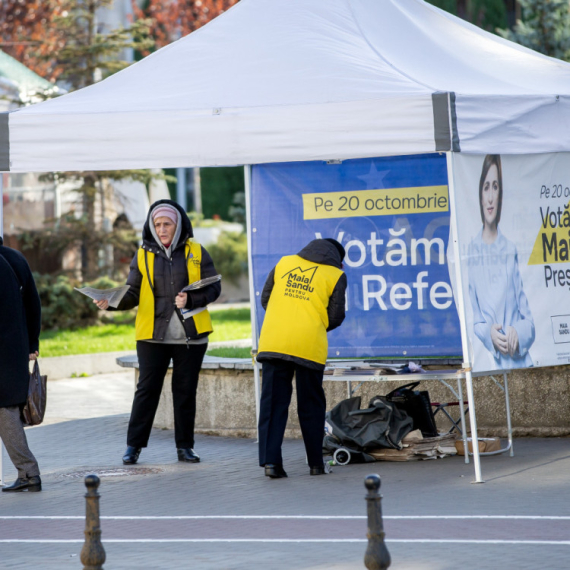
{"x":120,"y":472}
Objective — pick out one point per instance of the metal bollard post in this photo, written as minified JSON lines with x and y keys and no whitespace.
{"x":92,"y":554}
{"x":377,"y":556}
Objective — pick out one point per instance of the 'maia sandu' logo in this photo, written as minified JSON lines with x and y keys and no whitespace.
{"x":300,"y":278}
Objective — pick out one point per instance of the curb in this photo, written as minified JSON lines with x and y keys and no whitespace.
{"x":58,"y":367}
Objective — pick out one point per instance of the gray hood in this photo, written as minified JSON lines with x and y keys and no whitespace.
{"x":167,"y":250}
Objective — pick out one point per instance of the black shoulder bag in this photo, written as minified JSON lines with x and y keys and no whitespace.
{"x":417,"y":405}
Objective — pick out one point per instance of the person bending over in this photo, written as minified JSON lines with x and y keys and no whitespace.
{"x":304,"y":297}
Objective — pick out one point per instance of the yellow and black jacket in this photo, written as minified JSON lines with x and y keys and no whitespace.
{"x":155,"y":280}
{"x":304,"y":297}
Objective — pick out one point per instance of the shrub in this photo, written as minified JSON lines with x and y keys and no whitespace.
{"x":64,"y":308}
{"x":218,"y":188}
{"x":230,"y":255}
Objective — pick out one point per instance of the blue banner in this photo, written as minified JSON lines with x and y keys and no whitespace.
{"x":392,"y":216}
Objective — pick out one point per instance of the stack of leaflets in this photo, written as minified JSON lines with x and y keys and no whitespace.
{"x":114,"y":296}
{"x":187,"y":313}
{"x":202,"y":283}
{"x":360,"y":370}
{"x":416,"y":447}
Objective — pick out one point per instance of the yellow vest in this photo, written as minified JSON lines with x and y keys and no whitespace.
{"x":144,"y":327}
{"x":296,"y":320}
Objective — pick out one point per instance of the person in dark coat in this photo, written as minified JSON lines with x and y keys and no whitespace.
{"x":304,"y":298}
{"x":20,"y":323}
{"x":170,"y":325}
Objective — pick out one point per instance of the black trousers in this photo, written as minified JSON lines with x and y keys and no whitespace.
{"x":154,"y":359}
{"x":276,"y":392}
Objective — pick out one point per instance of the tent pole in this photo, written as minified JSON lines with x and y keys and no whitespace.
{"x":197,"y":178}
{"x":181,"y":188}
{"x":253,"y":305}
{"x":1,"y":204}
{"x":467,"y":364}
{"x":1,"y":235}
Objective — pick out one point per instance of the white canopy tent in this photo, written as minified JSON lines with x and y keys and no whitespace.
{"x":300,"y":80}
{"x":295,"y":80}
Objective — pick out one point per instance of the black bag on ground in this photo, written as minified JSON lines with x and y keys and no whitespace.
{"x":382,"y":424}
{"x":417,"y":405}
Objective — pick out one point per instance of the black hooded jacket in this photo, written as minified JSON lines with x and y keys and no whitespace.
{"x":317,"y":251}
{"x":170,"y":277}
{"x":20,"y":323}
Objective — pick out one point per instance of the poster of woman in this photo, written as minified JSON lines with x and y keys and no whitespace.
{"x":502,"y":319}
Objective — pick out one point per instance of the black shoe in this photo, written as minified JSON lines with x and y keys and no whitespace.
{"x":320,"y":470}
{"x":188,"y":455}
{"x":274,"y":471}
{"x":131,"y":455}
{"x":30,"y":484}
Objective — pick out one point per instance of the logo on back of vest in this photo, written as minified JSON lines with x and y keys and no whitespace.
{"x":299,"y":282}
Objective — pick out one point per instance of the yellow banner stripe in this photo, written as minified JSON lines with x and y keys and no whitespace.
{"x":385,"y":202}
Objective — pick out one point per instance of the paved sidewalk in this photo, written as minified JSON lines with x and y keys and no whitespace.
{"x":90,"y":397}
{"x":214,"y":515}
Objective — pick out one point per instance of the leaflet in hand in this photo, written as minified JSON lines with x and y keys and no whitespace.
{"x":113,"y":296}
{"x":202,"y":283}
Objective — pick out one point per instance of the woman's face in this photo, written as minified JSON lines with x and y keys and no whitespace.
{"x":490,"y":196}
{"x":165,"y":229}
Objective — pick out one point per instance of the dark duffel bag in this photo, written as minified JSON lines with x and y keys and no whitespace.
{"x":417,"y":405}
{"x":382,"y":424}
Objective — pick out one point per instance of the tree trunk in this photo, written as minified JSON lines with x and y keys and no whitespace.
{"x":513,"y":12}
{"x":89,"y":250}
{"x":462,"y":9}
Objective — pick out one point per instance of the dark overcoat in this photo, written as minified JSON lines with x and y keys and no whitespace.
{"x":20,"y":323}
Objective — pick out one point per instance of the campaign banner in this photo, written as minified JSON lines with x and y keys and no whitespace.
{"x":513,"y":229}
{"x":392,"y":216}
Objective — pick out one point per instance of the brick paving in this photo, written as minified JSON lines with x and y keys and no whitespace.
{"x":228,"y":482}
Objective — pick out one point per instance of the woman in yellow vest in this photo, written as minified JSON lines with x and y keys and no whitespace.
{"x":304,"y":297}
{"x":169,"y":325}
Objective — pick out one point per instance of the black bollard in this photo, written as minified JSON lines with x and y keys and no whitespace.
{"x":92,"y":553}
{"x":377,"y":556}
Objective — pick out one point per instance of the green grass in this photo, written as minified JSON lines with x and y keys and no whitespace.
{"x":230,"y":352}
{"x":102,"y":338}
{"x":229,"y":324}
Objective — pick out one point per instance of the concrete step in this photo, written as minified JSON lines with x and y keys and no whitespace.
{"x":57,"y":367}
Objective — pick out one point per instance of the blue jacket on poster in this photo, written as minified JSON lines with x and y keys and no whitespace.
{"x":497,"y":297}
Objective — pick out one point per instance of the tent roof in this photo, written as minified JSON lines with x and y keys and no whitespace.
{"x":288,"y":80}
